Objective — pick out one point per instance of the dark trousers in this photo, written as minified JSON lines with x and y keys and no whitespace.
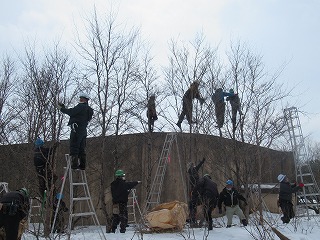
{"x":209,"y":203}
{"x":121,"y":218}
{"x":287,"y":210}
{"x":186,"y":110}
{"x":78,"y":142}
{"x":45,"y":179}
{"x":220,"y":108}
{"x":195,"y":201}
{"x":10,"y":224}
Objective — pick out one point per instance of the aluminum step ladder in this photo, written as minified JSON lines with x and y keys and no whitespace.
{"x":154,"y":195}
{"x":84,"y":199}
{"x":310,"y":196}
{"x":3,"y":188}
{"x":133,"y":207}
{"x":35,"y":211}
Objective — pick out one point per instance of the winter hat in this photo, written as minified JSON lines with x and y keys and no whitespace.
{"x":84,"y":95}
{"x":207,"y":176}
{"x":59,"y":196}
{"x":281,"y":177}
{"x":39,"y":142}
{"x":229,"y":182}
{"x":24,"y":191}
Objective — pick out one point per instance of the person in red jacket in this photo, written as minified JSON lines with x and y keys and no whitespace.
{"x":120,"y":190}
{"x":285,"y":197}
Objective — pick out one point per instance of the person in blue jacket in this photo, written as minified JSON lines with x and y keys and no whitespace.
{"x":220,"y":105}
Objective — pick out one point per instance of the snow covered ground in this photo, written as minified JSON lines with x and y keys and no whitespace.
{"x":298,"y":229}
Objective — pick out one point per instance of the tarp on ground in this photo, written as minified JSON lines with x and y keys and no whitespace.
{"x":168,"y":215}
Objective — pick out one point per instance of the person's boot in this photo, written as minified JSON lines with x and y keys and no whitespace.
{"x":210,"y":225}
{"x":74,"y":162}
{"x":244,"y":222}
{"x":179,"y":125}
{"x":83,"y":161}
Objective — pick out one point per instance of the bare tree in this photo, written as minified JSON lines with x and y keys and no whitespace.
{"x":187,"y":63}
{"x":7,"y":84}
{"x":118,"y":69}
{"x":44,"y":81}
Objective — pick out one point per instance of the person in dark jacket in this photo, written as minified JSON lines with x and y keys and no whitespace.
{"x":120,"y":190}
{"x":207,"y":191}
{"x":234,"y":101}
{"x":220,"y":105}
{"x":43,"y":162}
{"x":60,"y":221}
{"x":285,"y":197}
{"x":14,"y":207}
{"x":187,"y":106}
{"x":193,"y":176}
{"x":80,"y":115}
{"x":151,"y":112}
{"x":230,"y":197}
{"x":193,"y":173}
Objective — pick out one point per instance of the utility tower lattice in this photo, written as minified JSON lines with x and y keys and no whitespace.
{"x":310,"y":196}
{"x":157,"y":184}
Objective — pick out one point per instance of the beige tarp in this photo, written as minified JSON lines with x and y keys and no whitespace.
{"x":168,"y":215}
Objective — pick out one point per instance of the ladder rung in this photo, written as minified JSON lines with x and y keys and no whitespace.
{"x":83,"y":214}
{"x":81,"y":198}
{"x":309,"y":194}
{"x":304,"y":174}
{"x":79,"y":184}
{"x":308,"y":184}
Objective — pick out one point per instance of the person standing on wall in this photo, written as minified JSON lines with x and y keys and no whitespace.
{"x":80,"y":115}
{"x":187,"y":105}
{"x":151,"y":112}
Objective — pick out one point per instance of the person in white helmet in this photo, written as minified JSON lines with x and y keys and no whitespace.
{"x":80,"y":115}
{"x":285,"y":197}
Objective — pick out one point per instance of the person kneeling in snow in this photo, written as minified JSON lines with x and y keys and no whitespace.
{"x":230,"y":197}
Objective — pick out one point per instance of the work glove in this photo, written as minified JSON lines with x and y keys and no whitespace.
{"x":60,"y":105}
{"x":301,"y":185}
{"x":220,"y":211}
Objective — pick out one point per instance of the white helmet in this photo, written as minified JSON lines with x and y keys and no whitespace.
{"x":281,"y":177}
{"x":84,"y":95}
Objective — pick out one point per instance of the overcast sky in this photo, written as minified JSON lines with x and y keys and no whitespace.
{"x":282,"y":31}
